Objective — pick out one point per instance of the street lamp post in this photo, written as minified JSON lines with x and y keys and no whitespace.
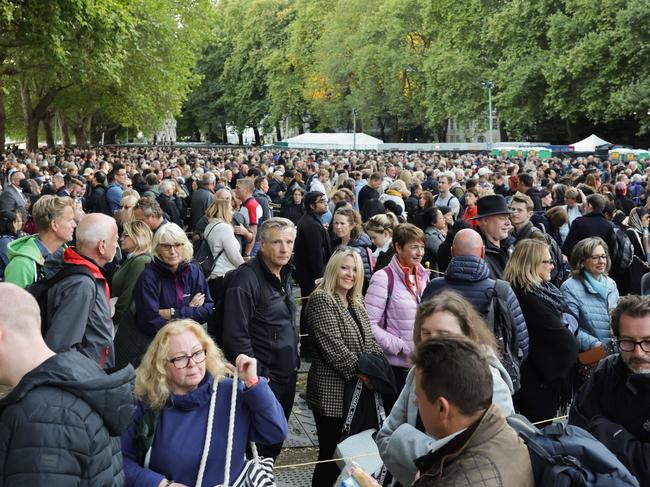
{"x":354,"y":129}
{"x":489,"y":85}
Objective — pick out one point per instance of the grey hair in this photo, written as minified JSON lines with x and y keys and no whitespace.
{"x":273,"y":224}
{"x":166,"y":185}
{"x":209,"y":178}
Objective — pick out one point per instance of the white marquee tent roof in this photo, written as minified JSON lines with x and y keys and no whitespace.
{"x":339,"y":140}
{"x":589,"y":144}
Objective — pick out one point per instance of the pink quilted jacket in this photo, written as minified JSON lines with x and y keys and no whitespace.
{"x":396,"y":336}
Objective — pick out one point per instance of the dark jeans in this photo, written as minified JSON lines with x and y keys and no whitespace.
{"x":329,"y":435}
{"x":285,"y":392}
{"x":400,"y":378}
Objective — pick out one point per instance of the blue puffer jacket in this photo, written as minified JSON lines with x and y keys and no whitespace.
{"x":470,"y":276}
{"x":586,"y":304}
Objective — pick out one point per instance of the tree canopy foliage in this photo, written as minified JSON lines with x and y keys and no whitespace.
{"x":408,"y":66}
{"x":405,"y":66}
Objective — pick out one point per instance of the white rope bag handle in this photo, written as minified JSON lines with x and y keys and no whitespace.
{"x":231,"y":432}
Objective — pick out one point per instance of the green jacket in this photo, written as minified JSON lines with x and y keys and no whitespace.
{"x":124,"y":281}
{"x":25,"y":261}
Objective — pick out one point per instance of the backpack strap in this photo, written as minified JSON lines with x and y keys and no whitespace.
{"x":66,"y":271}
{"x":389,"y":293}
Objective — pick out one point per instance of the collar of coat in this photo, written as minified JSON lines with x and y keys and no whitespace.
{"x":484,"y":429}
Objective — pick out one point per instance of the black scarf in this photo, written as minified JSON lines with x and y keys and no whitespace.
{"x":550,"y":294}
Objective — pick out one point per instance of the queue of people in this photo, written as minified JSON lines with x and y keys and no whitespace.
{"x":438,"y":296}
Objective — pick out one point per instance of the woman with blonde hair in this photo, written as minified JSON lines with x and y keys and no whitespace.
{"x":380,"y":230}
{"x":135,"y":242}
{"x":553,"y":349}
{"x":340,"y":333}
{"x":402,"y":436}
{"x":178,"y":435}
{"x":220,"y":236}
{"x":171,"y":286}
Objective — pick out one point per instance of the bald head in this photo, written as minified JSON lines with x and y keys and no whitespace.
{"x":19,"y":311}
{"x":468,"y":242}
{"x":97,"y":237}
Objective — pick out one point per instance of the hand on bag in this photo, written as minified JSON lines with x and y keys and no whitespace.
{"x":366,"y":381}
{"x":246,"y":367}
{"x":197,"y":300}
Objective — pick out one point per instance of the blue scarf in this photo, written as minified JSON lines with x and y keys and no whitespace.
{"x":599,"y":285}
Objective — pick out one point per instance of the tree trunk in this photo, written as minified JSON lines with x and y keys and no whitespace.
{"x":258,"y":139}
{"x":224,"y":133}
{"x":240,"y":136}
{"x":33,"y":114}
{"x":569,"y":129}
{"x":278,"y":133}
{"x":79,"y":135}
{"x":382,"y":129}
{"x":3,"y":123}
{"x":49,"y":133}
{"x":65,"y":129}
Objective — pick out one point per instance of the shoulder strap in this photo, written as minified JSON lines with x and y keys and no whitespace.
{"x":208,"y":433}
{"x":501,"y":289}
{"x":389,"y":289}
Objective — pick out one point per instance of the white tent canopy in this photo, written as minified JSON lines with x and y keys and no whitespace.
{"x":589,"y":144}
{"x":339,"y":140}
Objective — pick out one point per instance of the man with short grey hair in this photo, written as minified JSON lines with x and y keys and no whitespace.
{"x":168,"y":203}
{"x":78,"y":301}
{"x":259,"y":305}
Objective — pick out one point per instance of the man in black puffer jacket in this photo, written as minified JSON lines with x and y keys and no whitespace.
{"x":469,"y":275}
{"x":61,"y":424}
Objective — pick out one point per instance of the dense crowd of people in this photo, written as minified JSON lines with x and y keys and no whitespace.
{"x":432,"y":295}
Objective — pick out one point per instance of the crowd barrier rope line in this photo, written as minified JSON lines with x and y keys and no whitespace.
{"x":369,"y":454}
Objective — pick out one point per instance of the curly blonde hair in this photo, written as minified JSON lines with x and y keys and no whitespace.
{"x":151,"y":381}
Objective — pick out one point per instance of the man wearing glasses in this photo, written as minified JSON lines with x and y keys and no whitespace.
{"x":614,"y":404}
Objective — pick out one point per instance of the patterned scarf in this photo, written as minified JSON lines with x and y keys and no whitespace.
{"x":552,"y":295}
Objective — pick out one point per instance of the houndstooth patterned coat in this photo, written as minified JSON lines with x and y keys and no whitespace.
{"x":338,"y":343}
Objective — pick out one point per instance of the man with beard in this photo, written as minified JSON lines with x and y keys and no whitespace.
{"x":614,"y":404}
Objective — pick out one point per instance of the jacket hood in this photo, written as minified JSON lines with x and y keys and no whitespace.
{"x":110,"y":396}
{"x":467,"y":268}
{"x":24,"y":247}
{"x":363,"y":240}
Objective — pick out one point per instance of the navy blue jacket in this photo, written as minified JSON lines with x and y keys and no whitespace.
{"x":470,"y":277}
{"x":160,"y":288}
{"x":180,"y":434}
{"x":592,"y":224}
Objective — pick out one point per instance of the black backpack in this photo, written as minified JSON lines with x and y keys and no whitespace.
{"x":203,"y":254}
{"x":502,"y":324}
{"x":621,"y":250}
{"x":215,"y":323}
{"x":41,"y":287}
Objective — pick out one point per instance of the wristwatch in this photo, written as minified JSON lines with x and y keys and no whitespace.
{"x":173,"y":313}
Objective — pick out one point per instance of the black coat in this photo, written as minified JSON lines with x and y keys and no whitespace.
{"x":96,"y":201}
{"x":170,"y":208}
{"x":552,"y":353}
{"x":292,"y":211}
{"x":201,"y":199}
{"x":592,"y":224}
{"x":312,"y":250}
{"x":62,"y":423}
{"x":259,"y":319}
{"x":614,"y":406}
{"x":366,"y":194}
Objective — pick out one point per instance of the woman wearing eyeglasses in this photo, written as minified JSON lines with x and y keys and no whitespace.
{"x":590,"y":293}
{"x":168,"y":436}
{"x":171,"y":286}
{"x":553,"y":349}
